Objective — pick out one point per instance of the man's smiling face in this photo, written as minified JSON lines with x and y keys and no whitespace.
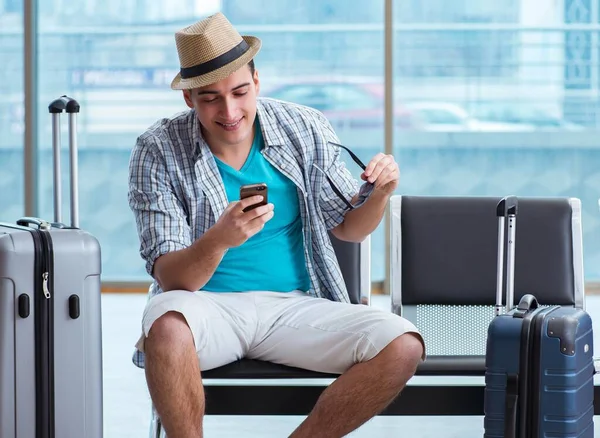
{"x":227,"y":109}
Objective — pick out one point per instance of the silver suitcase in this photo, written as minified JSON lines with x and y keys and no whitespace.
{"x":50,"y":316}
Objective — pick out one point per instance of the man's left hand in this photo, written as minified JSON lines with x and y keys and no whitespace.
{"x":383,"y":172}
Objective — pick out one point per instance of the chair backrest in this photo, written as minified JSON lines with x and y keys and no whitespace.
{"x":355,"y":263}
{"x":444,"y":259}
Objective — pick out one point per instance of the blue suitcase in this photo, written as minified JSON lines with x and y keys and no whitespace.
{"x":539,"y":379}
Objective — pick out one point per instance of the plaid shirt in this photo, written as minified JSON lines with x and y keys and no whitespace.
{"x":176,"y":192}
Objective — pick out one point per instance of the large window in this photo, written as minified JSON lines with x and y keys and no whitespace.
{"x":11,"y":110}
{"x":517,"y":115}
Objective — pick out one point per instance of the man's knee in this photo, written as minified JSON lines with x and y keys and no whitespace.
{"x":408,"y":348}
{"x":170,"y":329}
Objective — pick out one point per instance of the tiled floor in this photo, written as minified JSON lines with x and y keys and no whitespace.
{"x":127,"y":403}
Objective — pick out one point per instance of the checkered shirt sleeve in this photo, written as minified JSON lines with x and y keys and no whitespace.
{"x":159,"y":214}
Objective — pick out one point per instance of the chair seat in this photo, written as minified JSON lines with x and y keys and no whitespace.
{"x":452,"y":366}
{"x":258,"y":369}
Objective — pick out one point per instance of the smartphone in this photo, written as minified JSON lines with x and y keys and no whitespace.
{"x":249,"y":190}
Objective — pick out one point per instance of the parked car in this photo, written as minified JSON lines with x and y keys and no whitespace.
{"x":530,"y":116}
{"x":451,"y":117}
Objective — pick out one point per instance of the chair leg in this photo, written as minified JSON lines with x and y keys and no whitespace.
{"x":156,"y":430}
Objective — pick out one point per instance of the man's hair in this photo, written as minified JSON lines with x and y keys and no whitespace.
{"x":251,"y":66}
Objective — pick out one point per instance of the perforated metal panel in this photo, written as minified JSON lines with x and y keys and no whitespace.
{"x":450,"y":329}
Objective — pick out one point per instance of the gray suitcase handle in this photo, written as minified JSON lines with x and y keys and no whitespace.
{"x":40,"y":223}
{"x":506,"y":210}
{"x":71,"y":107}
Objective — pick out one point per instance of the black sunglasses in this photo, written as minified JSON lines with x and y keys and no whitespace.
{"x":331,"y":183}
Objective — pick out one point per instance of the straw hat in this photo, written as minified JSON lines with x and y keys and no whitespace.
{"x":210,"y":50}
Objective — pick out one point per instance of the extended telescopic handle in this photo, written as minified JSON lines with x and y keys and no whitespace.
{"x":71,"y":107}
{"x":506,"y":210}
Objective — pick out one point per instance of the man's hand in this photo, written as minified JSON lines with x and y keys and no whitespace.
{"x":383,"y":172}
{"x":235,"y":226}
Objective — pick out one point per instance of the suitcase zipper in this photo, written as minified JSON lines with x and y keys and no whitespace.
{"x":47,"y":334}
{"x":45,"y":285}
{"x":44,"y":334}
{"x":535,"y":369}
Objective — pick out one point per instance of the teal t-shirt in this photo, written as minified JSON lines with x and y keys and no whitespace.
{"x":273,"y":259}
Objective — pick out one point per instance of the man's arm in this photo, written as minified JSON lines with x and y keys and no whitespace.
{"x":361,"y":222}
{"x":192,"y":267}
{"x":384,"y":173}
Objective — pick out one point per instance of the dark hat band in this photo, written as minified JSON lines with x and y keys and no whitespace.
{"x":215,"y":63}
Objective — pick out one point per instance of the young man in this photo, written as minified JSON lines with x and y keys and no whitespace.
{"x":262,"y":283}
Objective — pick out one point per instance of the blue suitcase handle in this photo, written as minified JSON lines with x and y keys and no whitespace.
{"x":526,"y":305}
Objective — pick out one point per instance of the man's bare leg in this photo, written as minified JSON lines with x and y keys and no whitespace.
{"x":173,"y":376}
{"x":363,"y":391}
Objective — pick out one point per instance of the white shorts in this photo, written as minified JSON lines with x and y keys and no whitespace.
{"x":292,"y":329}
